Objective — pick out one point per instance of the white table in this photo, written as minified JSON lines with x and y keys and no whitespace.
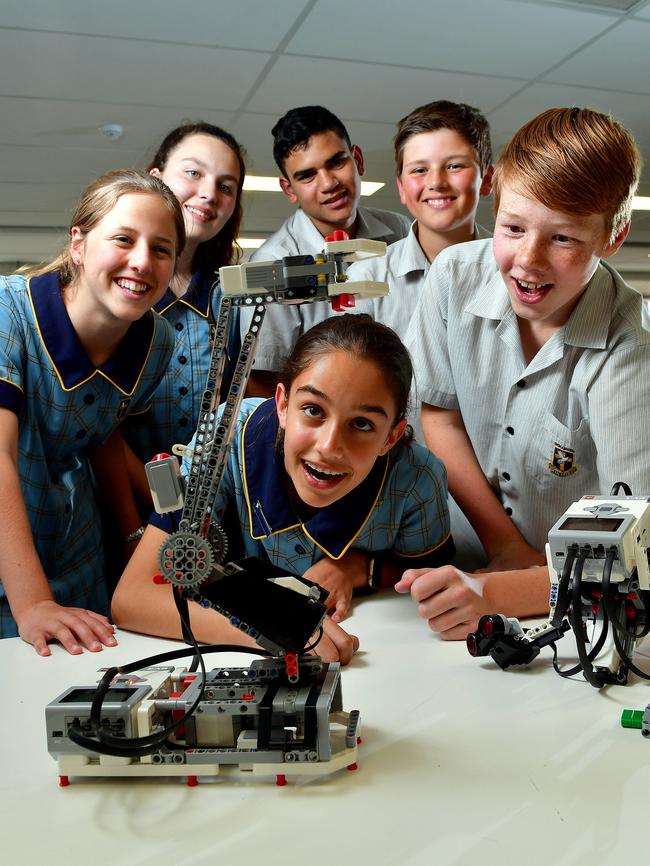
{"x":461,"y":763}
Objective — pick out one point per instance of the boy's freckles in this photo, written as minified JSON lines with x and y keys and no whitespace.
{"x":546,"y":257}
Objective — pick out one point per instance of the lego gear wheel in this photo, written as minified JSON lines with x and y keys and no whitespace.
{"x":185,"y":559}
{"x":218,"y":542}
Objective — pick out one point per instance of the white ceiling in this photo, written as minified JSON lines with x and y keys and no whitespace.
{"x":69,"y":66}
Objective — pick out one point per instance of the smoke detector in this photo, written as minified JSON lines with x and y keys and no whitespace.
{"x":112,"y":131}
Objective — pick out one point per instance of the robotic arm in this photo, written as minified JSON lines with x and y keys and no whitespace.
{"x":598,"y":559}
{"x":280,"y":615}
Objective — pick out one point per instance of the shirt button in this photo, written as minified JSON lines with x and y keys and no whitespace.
{"x":300,"y":549}
{"x":179,"y":326}
{"x":510,"y":430}
{"x":521,"y":383}
{"x":54,"y":479}
{"x":67,"y":508}
{"x":508,"y":511}
{"x":182,"y":390}
{"x":182,"y":359}
{"x":80,"y":434}
{"x":89,"y":399}
{"x":506,"y":475}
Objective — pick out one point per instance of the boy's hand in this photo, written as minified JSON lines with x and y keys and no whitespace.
{"x":340,"y":577}
{"x":450,"y":600}
{"x":513,"y":556}
{"x":73,"y":627}
{"x":336,"y":644}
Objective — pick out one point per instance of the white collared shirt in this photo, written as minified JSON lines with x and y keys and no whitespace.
{"x":573,"y":421}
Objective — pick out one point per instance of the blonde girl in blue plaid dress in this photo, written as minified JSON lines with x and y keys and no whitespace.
{"x":203,"y":165}
{"x":320,"y":481}
{"x":79,"y":350}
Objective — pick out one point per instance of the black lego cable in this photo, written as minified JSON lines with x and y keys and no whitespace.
{"x":106,"y":744}
{"x":596,"y":679}
{"x":618,"y":627}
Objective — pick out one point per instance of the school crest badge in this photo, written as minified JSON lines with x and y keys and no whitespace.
{"x":563,"y":461}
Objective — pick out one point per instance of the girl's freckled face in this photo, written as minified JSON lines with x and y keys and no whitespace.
{"x":338,"y":418}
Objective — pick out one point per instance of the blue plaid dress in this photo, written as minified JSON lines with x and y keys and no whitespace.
{"x":174,"y":411}
{"x":399,"y":510}
{"x":66,"y":406}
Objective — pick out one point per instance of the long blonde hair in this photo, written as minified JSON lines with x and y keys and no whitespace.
{"x":97,"y":200}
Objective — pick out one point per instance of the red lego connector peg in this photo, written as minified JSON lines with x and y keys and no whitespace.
{"x":337,"y":235}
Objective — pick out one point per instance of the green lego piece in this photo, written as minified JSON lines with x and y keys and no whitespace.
{"x":632,"y":718}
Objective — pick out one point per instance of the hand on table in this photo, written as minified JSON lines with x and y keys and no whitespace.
{"x":336,"y":644}
{"x":340,"y":577}
{"x":450,"y":600}
{"x":73,"y":627}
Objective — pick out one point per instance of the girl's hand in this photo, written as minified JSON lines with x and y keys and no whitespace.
{"x":451,"y":601}
{"x":340,"y":577}
{"x":72,"y":627}
{"x":336,"y":645}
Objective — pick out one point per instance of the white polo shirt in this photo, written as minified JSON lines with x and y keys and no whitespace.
{"x":573,"y":421}
{"x":404,"y":268}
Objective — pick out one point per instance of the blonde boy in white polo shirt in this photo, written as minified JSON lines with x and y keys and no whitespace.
{"x":532,"y":361}
{"x":443,"y":160}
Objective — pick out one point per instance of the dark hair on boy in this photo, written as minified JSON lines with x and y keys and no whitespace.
{"x":221,"y":249}
{"x":293,"y":131}
{"x":573,"y":160}
{"x":363,"y":337}
{"x":443,"y":114}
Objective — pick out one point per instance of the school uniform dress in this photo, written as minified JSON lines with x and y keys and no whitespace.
{"x":404,"y":268}
{"x":173,"y":412}
{"x":65,"y":407}
{"x":299,"y":236}
{"x":572,"y":421}
{"x":400,"y":508}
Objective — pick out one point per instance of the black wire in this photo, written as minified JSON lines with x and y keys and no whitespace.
{"x":618,"y":486}
{"x":105,"y":744}
{"x":617,"y":627}
{"x":596,"y":679}
{"x":316,"y":642}
{"x":593,"y":652}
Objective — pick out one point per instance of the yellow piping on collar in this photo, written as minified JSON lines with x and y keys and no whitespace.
{"x":358,"y":532}
{"x":245,"y":483}
{"x":97,"y":370}
{"x":187,"y":304}
{"x":15,"y":384}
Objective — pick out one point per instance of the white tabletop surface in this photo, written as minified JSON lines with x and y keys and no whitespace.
{"x":461,"y":763}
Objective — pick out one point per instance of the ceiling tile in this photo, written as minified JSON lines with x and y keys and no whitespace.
{"x":462,"y":35}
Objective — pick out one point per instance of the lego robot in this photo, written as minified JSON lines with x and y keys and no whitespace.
{"x":598,"y":557}
{"x":283,"y":715}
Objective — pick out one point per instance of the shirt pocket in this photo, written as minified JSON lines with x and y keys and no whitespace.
{"x":560,"y":454}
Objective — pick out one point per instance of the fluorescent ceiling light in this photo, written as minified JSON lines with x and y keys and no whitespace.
{"x":369,"y":187}
{"x":258,"y":183}
{"x":641,"y":202}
